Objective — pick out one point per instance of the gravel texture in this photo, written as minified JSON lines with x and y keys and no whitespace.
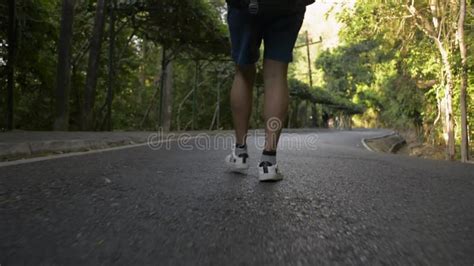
{"x":338,"y":204}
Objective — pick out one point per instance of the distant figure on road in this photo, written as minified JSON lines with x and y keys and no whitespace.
{"x":277,"y":23}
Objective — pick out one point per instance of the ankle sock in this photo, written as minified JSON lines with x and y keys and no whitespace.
{"x":269,"y":156}
{"x":240,"y":149}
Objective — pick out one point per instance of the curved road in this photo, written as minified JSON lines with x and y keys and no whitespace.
{"x":338,"y":204}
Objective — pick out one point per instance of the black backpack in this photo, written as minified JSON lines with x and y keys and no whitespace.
{"x":269,"y":6}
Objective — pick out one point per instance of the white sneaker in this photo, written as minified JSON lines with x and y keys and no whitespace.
{"x":237,"y":163}
{"x":268,"y":172}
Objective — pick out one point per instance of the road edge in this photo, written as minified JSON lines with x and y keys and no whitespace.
{"x":80,"y":153}
{"x":393,"y":148}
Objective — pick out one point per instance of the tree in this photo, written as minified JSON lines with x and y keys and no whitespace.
{"x":63,"y":78}
{"x":107,"y":123}
{"x":348,"y":66}
{"x":316,"y":95}
{"x":93,"y":66}
{"x":12,"y":50}
{"x":166,"y":105}
{"x":436,"y":19}
{"x":464,"y":82}
{"x":424,"y":35}
{"x":190,"y":28}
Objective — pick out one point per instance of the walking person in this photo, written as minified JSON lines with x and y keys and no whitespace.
{"x":276,"y":23}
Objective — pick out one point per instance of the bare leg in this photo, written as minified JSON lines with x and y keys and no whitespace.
{"x":241,"y":100}
{"x":276,"y":101}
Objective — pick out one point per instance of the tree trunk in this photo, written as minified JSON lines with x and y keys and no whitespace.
{"x":289,"y":119}
{"x":167,"y":92}
{"x":142,"y":69}
{"x":196,"y":76}
{"x":314,"y":116}
{"x":93,"y":66}
{"x":110,"y":90}
{"x":296,"y":113}
{"x":63,"y":78}
{"x":218,"y":115}
{"x":12,"y":48}
{"x":440,"y":17}
{"x":448,"y":127}
{"x":154,"y":98}
{"x":464,"y":81}
{"x":180,"y":106}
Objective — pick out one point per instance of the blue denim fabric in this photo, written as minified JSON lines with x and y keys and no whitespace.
{"x":278,"y":32}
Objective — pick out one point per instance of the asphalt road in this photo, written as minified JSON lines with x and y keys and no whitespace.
{"x":338,"y":204}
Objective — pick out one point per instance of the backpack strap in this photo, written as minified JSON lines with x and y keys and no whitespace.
{"x":253,"y":7}
{"x":238,"y":3}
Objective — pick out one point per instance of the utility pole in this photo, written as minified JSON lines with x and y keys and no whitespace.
{"x":307,"y":44}
{"x":310,"y":71}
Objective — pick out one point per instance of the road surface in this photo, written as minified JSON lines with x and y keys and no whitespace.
{"x":338,"y":204}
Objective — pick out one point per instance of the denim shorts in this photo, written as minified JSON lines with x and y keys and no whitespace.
{"x":278,"y":32}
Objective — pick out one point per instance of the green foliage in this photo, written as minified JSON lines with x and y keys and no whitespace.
{"x":319,"y":95}
{"x":190,"y":24}
{"x":400,"y":102}
{"x":402,"y":58}
{"x":346,"y":67}
{"x":407,"y":88}
{"x":38,"y":26}
{"x":384,"y":65}
{"x":192,"y":29}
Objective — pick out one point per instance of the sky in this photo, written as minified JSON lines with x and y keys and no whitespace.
{"x":317,"y":25}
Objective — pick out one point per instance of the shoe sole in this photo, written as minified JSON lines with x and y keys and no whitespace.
{"x":235,"y":169}
{"x":270,"y":178}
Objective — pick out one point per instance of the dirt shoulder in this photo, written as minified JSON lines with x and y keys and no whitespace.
{"x":417,"y":148}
